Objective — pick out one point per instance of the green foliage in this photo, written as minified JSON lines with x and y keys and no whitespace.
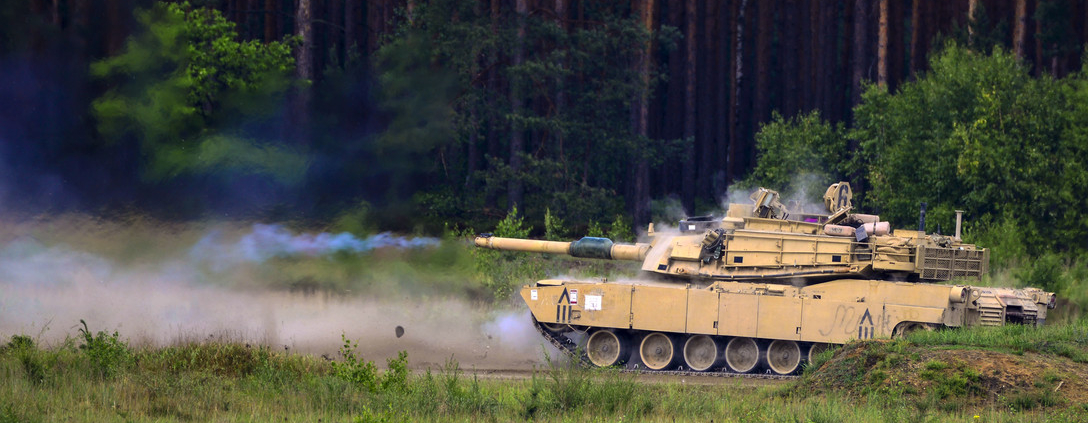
{"x":978,"y":133}
{"x":396,"y":376}
{"x":1045,"y":272}
{"x":364,"y":374}
{"x":553,"y":227}
{"x":799,"y":155}
{"x":181,"y":86}
{"x":19,"y":343}
{"x":621,"y":230}
{"x":951,"y":382}
{"x":810,"y":367}
{"x":594,"y":230}
{"x":108,"y":354}
{"x":355,"y":370}
{"x":512,"y":226}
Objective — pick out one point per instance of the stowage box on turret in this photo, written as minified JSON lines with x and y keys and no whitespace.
{"x":761,"y":289}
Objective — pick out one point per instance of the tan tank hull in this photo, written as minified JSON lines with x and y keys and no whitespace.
{"x":791,"y":319}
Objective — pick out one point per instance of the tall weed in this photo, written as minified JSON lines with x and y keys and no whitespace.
{"x":107,"y":353}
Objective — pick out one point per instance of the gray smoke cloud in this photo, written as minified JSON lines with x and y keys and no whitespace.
{"x":803,"y":194}
{"x":46,"y":289}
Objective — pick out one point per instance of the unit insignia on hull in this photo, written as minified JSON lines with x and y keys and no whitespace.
{"x":866,"y":329}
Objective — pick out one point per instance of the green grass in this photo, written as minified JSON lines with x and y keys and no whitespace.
{"x":1069,"y":340}
{"x":231,"y":382}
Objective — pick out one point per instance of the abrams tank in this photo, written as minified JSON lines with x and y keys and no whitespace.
{"x":764,"y":288}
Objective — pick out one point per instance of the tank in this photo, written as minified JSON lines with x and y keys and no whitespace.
{"x":765,"y":288}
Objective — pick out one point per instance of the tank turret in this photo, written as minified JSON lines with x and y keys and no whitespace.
{"x":767,"y":241}
{"x":766,"y":287}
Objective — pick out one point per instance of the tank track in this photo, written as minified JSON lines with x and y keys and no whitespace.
{"x":569,"y":348}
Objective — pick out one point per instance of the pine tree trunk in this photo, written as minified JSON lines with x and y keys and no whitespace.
{"x":641,"y":199}
{"x":895,"y":43}
{"x":721,"y":175}
{"x":350,"y":30}
{"x":804,"y":60}
{"x":705,"y":128}
{"x":688,"y":165}
{"x":882,"y":46}
{"x":918,"y":33}
{"x":493,"y":132}
{"x":861,"y":57}
{"x":517,"y":138}
{"x":55,"y":13}
{"x":269,"y":21}
{"x":1019,"y":31}
{"x":303,"y":70}
{"x":826,"y":52}
{"x":736,"y":161}
{"x":764,"y":36}
{"x":972,"y":5}
{"x":561,"y":86}
{"x":335,"y":40}
{"x":790,"y":67}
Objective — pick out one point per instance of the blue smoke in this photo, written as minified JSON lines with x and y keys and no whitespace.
{"x":274,"y":241}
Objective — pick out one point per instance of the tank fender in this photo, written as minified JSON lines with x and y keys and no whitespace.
{"x":895,"y":314}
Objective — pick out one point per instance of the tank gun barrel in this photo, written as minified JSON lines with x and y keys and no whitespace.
{"x":587,"y":247}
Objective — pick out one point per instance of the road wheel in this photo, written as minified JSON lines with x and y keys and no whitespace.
{"x":783,"y":357}
{"x":557,"y":328}
{"x":816,"y":349}
{"x":904,"y":328}
{"x":658,"y":351}
{"x":606,"y":348}
{"x":701,"y":353}
{"x":742,"y":355}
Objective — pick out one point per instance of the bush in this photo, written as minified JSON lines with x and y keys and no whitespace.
{"x":553,"y":227}
{"x":19,"y":343}
{"x":1045,"y":272}
{"x":107,"y":353}
{"x":396,"y":378}
{"x":354,"y":370}
{"x":620,"y":230}
{"x":365,"y":374}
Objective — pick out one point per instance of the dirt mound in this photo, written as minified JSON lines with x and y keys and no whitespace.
{"x":951,"y":377}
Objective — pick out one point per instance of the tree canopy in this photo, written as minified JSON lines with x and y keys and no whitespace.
{"x":976,"y":133}
{"x":195,"y":98}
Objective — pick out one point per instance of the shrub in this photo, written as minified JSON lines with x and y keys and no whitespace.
{"x":354,"y":370}
{"x":107,"y":353}
{"x":396,"y":378}
{"x":620,"y":230}
{"x":553,"y":227}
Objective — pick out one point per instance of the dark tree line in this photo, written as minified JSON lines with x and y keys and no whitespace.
{"x":549,"y":102}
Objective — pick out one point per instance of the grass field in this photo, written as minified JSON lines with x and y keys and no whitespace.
{"x":97,"y":377}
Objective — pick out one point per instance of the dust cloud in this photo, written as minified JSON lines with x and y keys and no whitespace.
{"x":46,"y":289}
